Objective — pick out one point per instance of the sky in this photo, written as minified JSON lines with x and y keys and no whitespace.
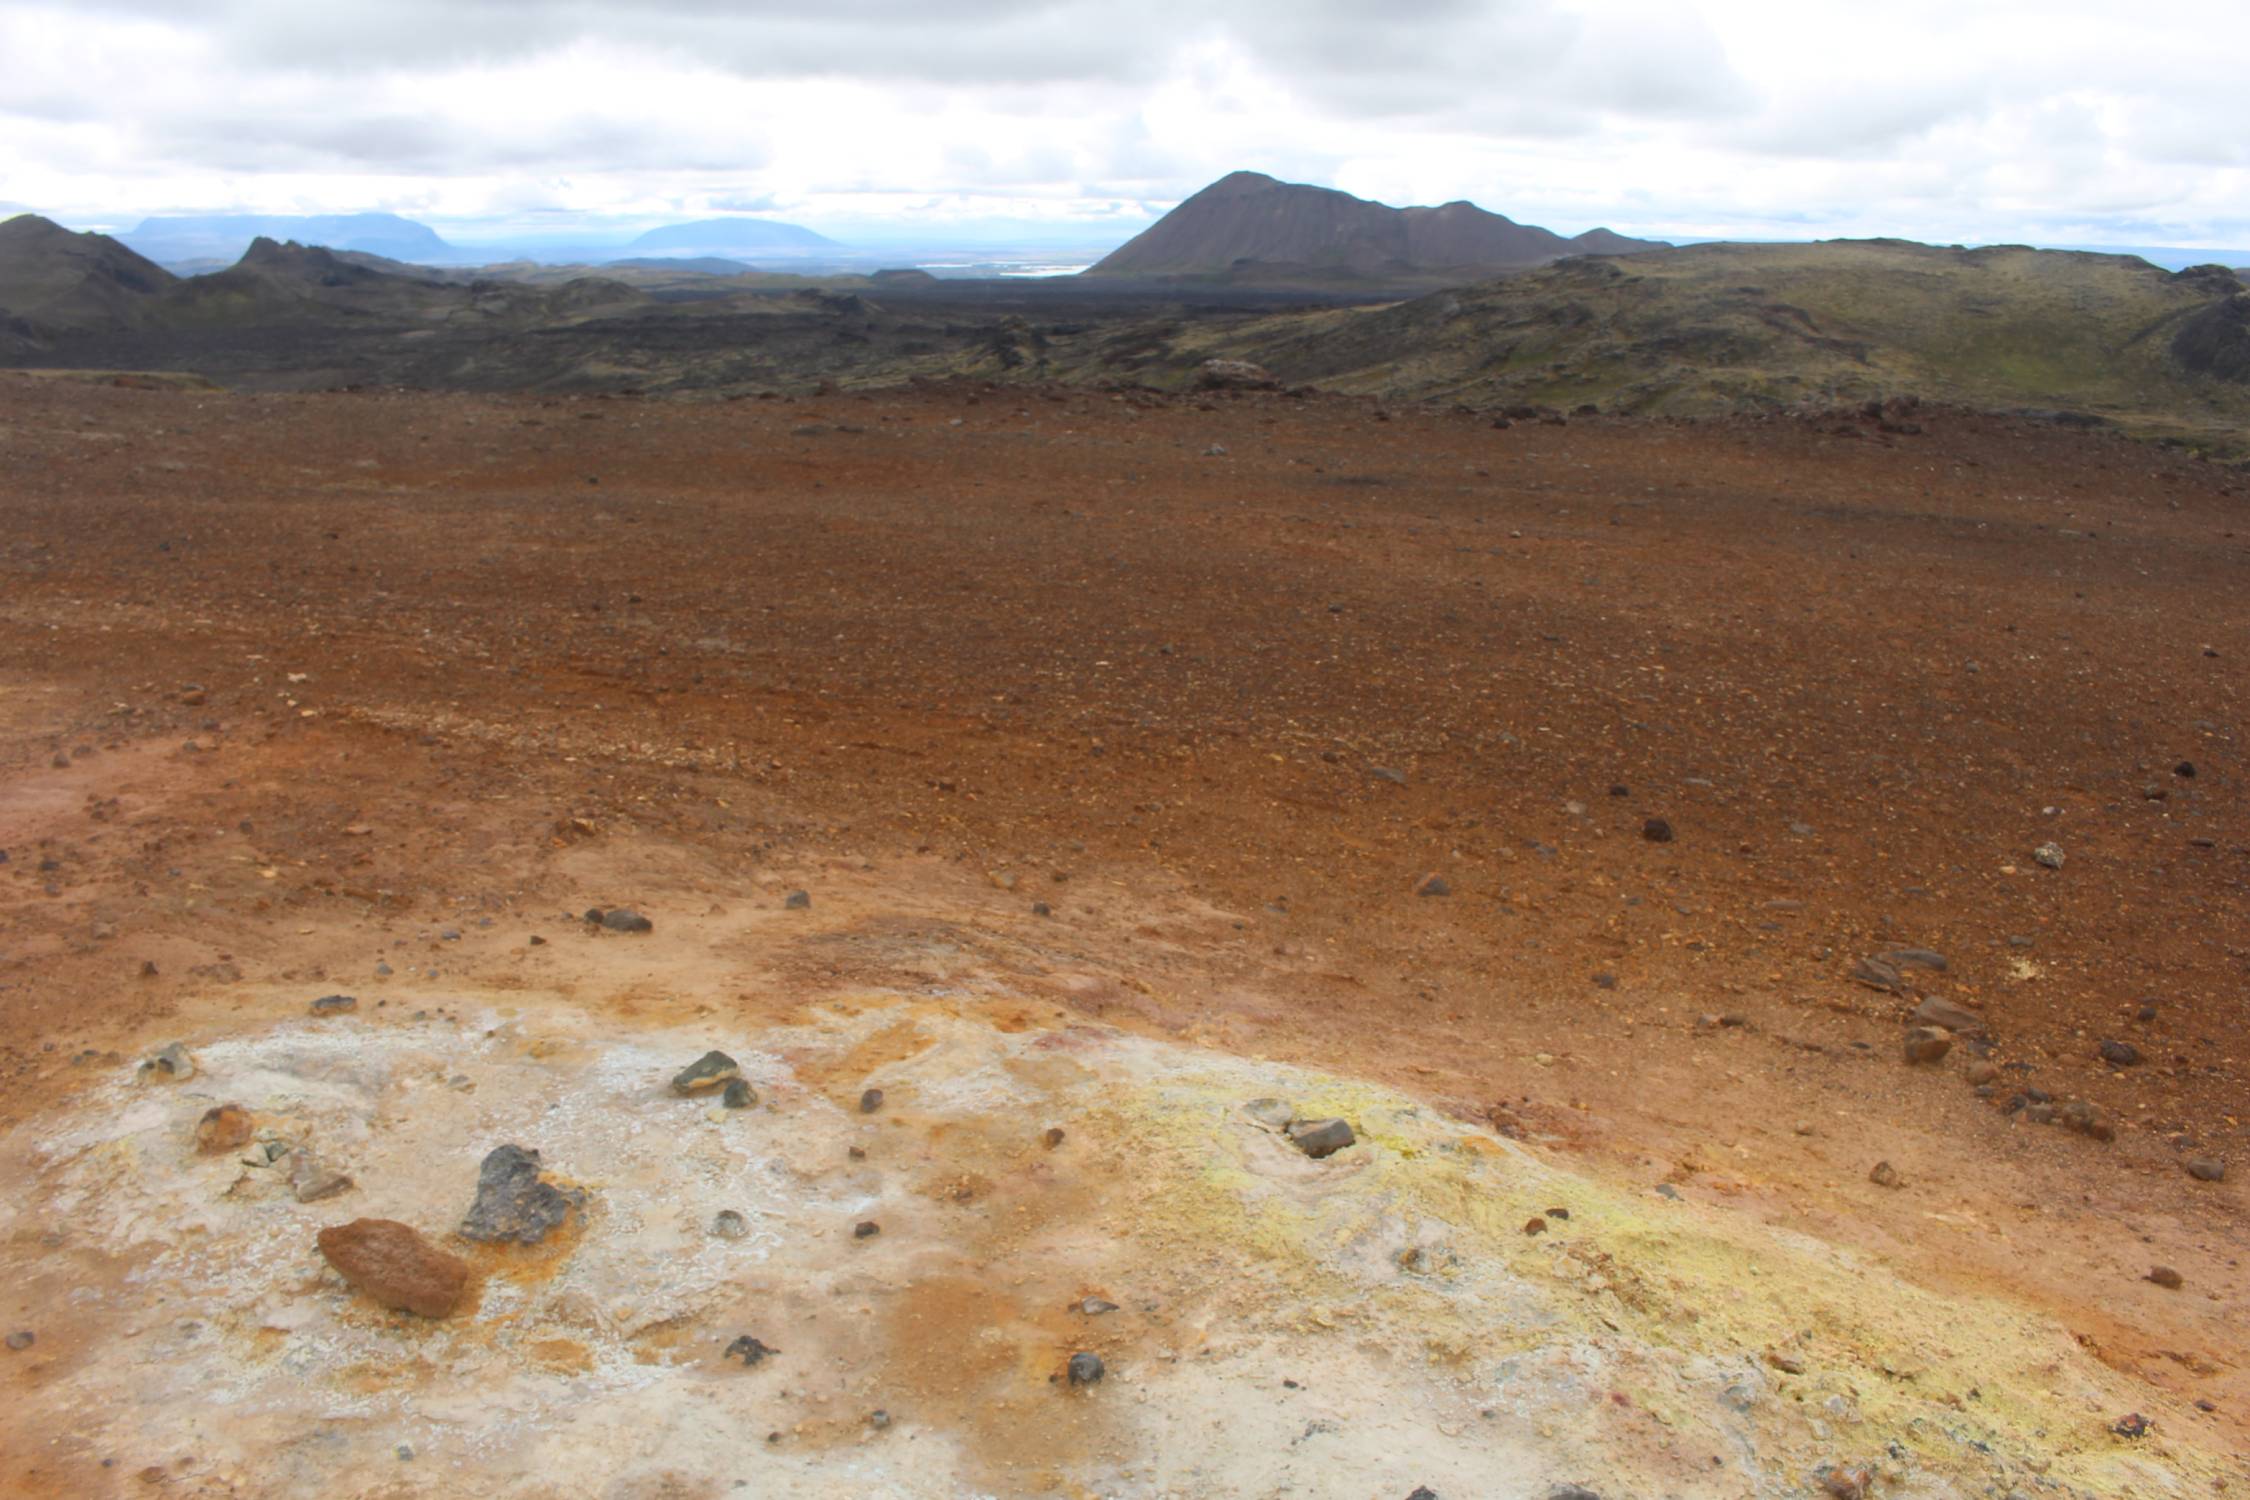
{"x":1977,"y":121}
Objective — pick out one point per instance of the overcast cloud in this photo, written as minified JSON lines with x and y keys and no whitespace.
{"x":2062,"y":121}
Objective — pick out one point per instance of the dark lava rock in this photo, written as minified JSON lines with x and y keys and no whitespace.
{"x":749,"y":1350}
{"x":1920,"y":958}
{"x":1432,"y":885}
{"x":1935,"y":1012}
{"x":2120,"y":1054}
{"x":729,"y":1225}
{"x":1086,"y":1369}
{"x":2088,"y":1120}
{"x":2131,"y":1425}
{"x":1605,"y":981}
{"x":1054,"y":1137}
{"x":335,"y":1005}
{"x":172,"y":1065}
{"x":1657,"y":831}
{"x":870,"y":1100}
{"x":1422,"y":1492}
{"x":1928,"y":1044}
{"x":866,"y":1229}
{"x":392,"y":1263}
{"x":1319,"y":1138}
{"x":2207,"y":1169}
{"x":1385,"y":773}
{"x":712,"y":1070}
{"x":622,"y":919}
{"x":738,"y":1094}
{"x":1041,"y":909}
{"x":798,"y":901}
{"x":515,"y":1201}
{"x":2166,"y":1277}
{"x":1878,"y":975}
{"x":1094,"y":1307}
{"x":1572,"y":1492}
{"x":2185,"y":770}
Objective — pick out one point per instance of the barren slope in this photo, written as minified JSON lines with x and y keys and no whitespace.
{"x":361,"y":694}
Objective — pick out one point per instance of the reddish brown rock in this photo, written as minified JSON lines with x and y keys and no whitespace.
{"x":1928,"y":1044}
{"x":392,"y":1263}
{"x":227,"y":1127}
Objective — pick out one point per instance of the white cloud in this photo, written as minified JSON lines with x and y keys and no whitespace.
{"x":2001,"y":119}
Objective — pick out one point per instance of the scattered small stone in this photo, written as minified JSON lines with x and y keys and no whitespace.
{"x":729,"y":1225}
{"x":1041,"y":909}
{"x":866,"y":1229}
{"x":2049,"y":855}
{"x":2145,"y":1014}
{"x":1274,"y":1114}
{"x":2088,"y":1120}
{"x":1944,"y":1013}
{"x":1787,"y":1364}
{"x":1666,"y":1190}
{"x":1919,"y":958}
{"x":870,"y":1100}
{"x":1982,"y":1072}
{"x":1877,"y":974}
{"x":1885,"y":1175}
{"x":1432,"y":884}
{"x":749,"y":1350}
{"x":1319,"y":1138}
{"x":382,"y":971}
{"x":1086,"y":1369}
{"x":856,"y":1153}
{"x":738,"y":1094}
{"x":1422,"y":1491}
{"x":170,"y":1065}
{"x":1572,"y":1492}
{"x":878,"y":1419}
{"x":1847,"y":1484}
{"x":1928,"y":1044}
{"x":1605,"y":981}
{"x":2120,"y":1054}
{"x":1094,"y":1307}
{"x":392,"y":1263}
{"x":2166,"y":1277}
{"x":21,"y":1339}
{"x":621,"y":919}
{"x":515,"y":1201}
{"x":1657,"y":831}
{"x":1535,"y":1225}
{"x":2185,"y":770}
{"x":334,"y":1005}
{"x":1054,"y":1136}
{"x":798,"y":901}
{"x":311,"y":1181}
{"x":712,"y":1070}
{"x":2206,"y":1169}
{"x":1386,"y":773}
{"x":1559,"y":1213}
{"x":226,"y":1127}
{"x":2131,"y":1425}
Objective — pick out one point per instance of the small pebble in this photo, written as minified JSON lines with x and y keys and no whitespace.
{"x":1094,"y":1307}
{"x":738,"y":1094}
{"x":1054,"y":1136}
{"x":749,"y":1350}
{"x":2166,"y":1277}
{"x":730,"y":1225}
{"x":870,"y":1101}
{"x":798,"y":901}
{"x":1657,"y":831}
{"x":866,"y":1229}
{"x":22,"y":1339}
{"x":1086,"y":1369}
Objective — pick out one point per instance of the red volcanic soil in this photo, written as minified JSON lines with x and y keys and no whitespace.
{"x":288,"y":681}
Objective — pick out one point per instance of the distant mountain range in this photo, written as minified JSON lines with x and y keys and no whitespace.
{"x":225,"y":237}
{"x":1248,"y":224}
{"x":731,"y":237}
